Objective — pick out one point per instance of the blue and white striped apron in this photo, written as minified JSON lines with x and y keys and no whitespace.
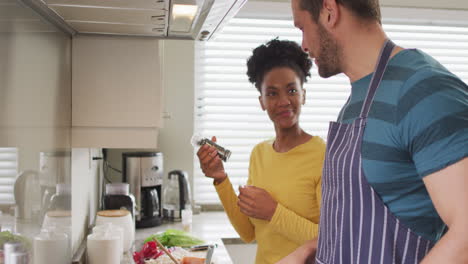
{"x":355,"y":225}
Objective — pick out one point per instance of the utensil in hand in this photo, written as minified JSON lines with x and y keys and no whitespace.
{"x":161,"y":246}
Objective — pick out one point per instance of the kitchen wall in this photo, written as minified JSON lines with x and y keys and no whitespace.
{"x":35,"y":81}
{"x":35,"y":110}
{"x":178,"y":113}
{"x":35,"y":118}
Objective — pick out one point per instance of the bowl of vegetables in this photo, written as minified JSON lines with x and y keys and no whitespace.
{"x":178,"y":243}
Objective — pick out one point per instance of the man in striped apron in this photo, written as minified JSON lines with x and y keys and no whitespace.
{"x":356,"y":217}
{"x":395,"y":177}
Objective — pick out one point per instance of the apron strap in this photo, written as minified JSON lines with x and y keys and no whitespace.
{"x":382,"y":63}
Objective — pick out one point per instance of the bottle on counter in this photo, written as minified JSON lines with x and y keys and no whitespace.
{"x":187,"y":219}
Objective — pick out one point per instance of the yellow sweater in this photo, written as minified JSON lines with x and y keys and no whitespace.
{"x":293,"y":179}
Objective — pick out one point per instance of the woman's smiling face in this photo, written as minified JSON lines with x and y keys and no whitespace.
{"x":282,"y":96}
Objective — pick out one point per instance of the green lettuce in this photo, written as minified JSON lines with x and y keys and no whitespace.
{"x":7,"y":236}
{"x":176,"y":238}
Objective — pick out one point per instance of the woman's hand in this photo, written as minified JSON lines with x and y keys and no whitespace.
{"x":256,"y":202}
{"x":210,"y":163}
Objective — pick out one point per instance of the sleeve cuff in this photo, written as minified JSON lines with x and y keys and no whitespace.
{"x":226,"y":184}
{"x":278,"y":215}
{"x":444,"y":164}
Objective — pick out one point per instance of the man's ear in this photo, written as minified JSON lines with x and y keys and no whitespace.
{"x":330,"y":13}
{"x":261,"y":102}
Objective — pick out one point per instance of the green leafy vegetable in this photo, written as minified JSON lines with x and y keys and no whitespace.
{"x":7,"y":236}
{"x":176,"y":238}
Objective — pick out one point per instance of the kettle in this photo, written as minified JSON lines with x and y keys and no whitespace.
{"x":176,"y":195}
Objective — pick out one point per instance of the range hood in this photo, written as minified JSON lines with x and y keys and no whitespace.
{"x":172,"y":19}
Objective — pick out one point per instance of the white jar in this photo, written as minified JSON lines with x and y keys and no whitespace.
{"x":104,"y":248}
{"x":121,"y":218}
{"x":114,"y":229}
{"x":51,"y":243}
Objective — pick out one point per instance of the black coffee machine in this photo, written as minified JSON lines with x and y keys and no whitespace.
{"x":143,"y":171}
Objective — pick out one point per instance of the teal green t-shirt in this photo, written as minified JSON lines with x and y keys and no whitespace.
{"x":417,"y":125}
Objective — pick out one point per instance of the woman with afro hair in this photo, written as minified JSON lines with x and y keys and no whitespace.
{"x":279,"y":207}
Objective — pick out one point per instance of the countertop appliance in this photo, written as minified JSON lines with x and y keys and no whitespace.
{"x":144,"y":172}
{"x":176,"y":195}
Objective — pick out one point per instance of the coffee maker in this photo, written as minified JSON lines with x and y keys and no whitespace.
{"x":143,"y":171}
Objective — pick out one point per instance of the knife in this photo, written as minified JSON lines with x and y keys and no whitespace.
{"x":209,"y":254}
{"x":202,"y":247}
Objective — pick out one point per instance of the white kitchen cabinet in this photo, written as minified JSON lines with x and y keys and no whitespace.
{"x":116,"y":91}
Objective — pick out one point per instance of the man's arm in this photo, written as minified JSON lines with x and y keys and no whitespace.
{"x":305,"y":254}
{"x":448,"y":189}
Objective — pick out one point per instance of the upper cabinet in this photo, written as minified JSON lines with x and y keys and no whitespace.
{"x":116,"y":91}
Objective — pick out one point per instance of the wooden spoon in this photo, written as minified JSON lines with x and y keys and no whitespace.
{"x":165,"y":250}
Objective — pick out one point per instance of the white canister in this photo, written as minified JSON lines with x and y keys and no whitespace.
{"x":114,"y":229}
{"x":9,"y":248}
{"x":19,"y":258}
{"x":51,"y":243}
{"x":121,"y":218}
{"x":104,"y":248}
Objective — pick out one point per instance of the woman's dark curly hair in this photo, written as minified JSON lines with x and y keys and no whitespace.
{"x":277,"y":53}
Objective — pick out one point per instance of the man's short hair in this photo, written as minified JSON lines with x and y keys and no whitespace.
{"x":365,"y":9}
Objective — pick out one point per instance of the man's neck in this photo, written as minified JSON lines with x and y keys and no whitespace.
{"x":361,"y":48}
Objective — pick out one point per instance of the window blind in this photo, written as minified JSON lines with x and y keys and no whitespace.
{"x":8,"y":172}
{"x":227,"y":104}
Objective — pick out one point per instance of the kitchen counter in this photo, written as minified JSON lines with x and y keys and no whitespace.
{"x":209,"y":226}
